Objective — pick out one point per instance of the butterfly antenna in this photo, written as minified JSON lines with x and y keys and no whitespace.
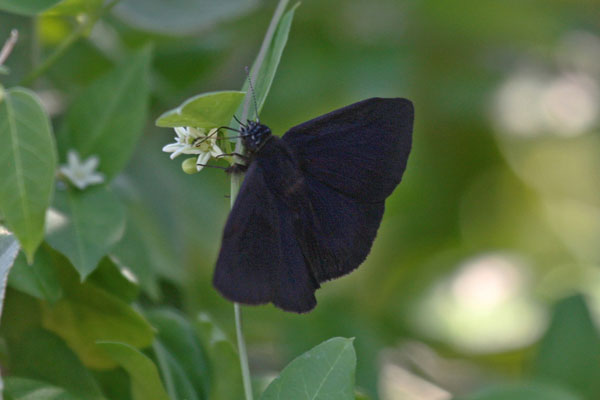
{"x":253,"y":92}
{"x":238,"y":121}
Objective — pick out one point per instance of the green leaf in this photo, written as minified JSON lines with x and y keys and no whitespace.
{"x":324,"y":372}
{"x":107,"y":118}
{"x":145,"y":380}
{"x":264,"y":74}
{"x":26,"y":7}
{"x":145,"y":251}
{"x":115,"y":279}
{"x":30,"y":389}
{"x":87,"y":314}
{"x":4,"y":70}
{"x":225,"y":376}
{"x":38,"y":279}
{"x":84,"y":225}
{"x":179,"y":17}
{"x":180,"y":355}
{"x":529,"y":391}
{"x":569,"y":352}
{"x":74,"y":7}
{"x":27,"y":166}
{"x":207,"y":110}
{"x":9,"y":247}
{"x":41,"y":355}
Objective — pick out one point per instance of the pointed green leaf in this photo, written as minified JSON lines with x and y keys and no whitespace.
{"x":87,"y":314}
{"x":224,"y":362}
{"x":569,"y":353}
{"x":264,"y":74}
{"x":180,"y":356}
{"x":39,"y":354}
{"x":180,"y":17}
{"x":207,"y":110}
{"x":9,"y":247}
{"x":30,"y":389}
{"x":27,"y":166}
{"x":115,"y":279}
{"x":38,"y":279}
{"x":26,"y":7}
{"x":84,"y":225}
{"x":144,"y":250}
{"x":108,"y":117}
{"x":74,"y":7}
{"x":145,"y":380}
{"x":324,"y":372}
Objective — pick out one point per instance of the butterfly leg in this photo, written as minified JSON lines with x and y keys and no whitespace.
{"x":237,"y":169}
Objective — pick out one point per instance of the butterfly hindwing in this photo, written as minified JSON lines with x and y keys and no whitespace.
{"x":360,"y":150}
{"x":261,"y":260}
{"x":340,"y":231}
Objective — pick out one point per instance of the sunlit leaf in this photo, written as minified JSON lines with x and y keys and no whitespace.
{"x":26,"y":7}
{"x":87,"y":314}
{"x":263,"y":77}
{"x":324,"y":372}
{"x":27,"y":166}
{"x":207,"y":110}
{"x":569,"y":353}
{"x":84,"y":225}
{"x":180,"y":356}
{"x":145,"y":380}
{"x":107,"y":118}
{"x":179,"y":17}
{"x":38,"y":279}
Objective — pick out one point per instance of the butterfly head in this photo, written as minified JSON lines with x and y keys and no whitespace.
{"x":254,"y":135}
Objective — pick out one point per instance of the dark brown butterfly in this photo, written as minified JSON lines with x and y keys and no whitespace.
{"x":311,"y":202}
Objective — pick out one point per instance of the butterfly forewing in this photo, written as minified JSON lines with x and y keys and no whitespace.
{"x":360,"y":150}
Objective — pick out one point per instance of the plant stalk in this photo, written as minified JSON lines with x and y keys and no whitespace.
{"x":236,"y":181}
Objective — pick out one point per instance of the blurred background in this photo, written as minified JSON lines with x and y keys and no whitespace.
{"x":496,"y":222}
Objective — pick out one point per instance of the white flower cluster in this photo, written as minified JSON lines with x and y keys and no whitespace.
{"x":195,"y":141}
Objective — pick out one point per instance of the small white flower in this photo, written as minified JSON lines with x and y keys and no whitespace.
{"x":81,"y":173}
{"x":195,"y":141}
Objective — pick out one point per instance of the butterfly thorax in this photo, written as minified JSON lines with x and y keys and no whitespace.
{"x":254,"y":135}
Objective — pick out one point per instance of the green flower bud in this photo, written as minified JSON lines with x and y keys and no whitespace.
{"x":189,"y":166}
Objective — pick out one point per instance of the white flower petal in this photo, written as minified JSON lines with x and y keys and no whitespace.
{"x":177,"y":152}
{"x":181,"y":131}
{"x":171,"y":147}
{"x":90,"y":164}
{"x":202,"y":159}
{"x":215,"y":151}
{"x":72,"y":158}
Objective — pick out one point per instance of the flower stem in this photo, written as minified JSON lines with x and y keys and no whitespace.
{"x":66,"y":44}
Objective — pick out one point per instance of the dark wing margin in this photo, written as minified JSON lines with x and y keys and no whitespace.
{"x":260,"y":259}
{"x":360,"y":150}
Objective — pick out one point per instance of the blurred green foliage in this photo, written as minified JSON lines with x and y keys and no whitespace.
{"x":483,"y":282}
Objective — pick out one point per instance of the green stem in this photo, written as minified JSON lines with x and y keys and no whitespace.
{"x":66,"y":44}
{"x":242,"y":350}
